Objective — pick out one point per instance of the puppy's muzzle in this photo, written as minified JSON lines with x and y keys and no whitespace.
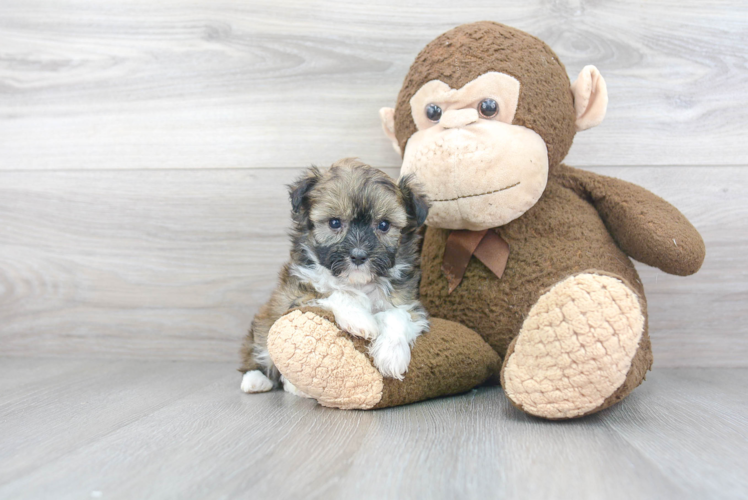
{"x":358,"y":256}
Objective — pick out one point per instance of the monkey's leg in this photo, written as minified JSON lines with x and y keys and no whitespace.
{"x":323,"y":361}
{"x":583,"y":347}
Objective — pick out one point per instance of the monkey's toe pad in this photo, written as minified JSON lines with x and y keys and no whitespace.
{"x":575,"y":348}
{"x":321,"y":360}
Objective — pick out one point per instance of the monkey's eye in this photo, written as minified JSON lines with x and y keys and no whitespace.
{"x":488,"y":108}
{"x":384,"y":226}
{"x":335,"y":223}
{"x":433,"y":112}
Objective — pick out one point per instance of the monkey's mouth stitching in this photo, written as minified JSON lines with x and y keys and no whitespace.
{"x":479,"y":194}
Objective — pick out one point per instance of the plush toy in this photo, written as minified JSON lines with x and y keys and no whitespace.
{"x":526,"y":269}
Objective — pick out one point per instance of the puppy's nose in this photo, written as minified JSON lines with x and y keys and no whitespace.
{"x":358,"y":256}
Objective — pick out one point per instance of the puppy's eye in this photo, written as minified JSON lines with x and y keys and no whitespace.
{"x":488,"y":108}
{"x":335,"y":223}
{"x":384,"y":226}
{"x":433,"y":112}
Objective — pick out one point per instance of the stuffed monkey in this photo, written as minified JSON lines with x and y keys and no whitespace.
{"x":526,"y":269}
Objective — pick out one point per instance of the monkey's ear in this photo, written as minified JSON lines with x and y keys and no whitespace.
{"x":416,"y":203}
{"x":300,"y":188}
{"x":590,"y":98}
{"x":387,"y":115}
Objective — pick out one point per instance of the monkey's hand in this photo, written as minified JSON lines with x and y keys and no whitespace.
{"x":645,"y":226}
{"x":350,"y":315}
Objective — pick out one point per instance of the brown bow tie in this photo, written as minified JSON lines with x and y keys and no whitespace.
{"x":486,"y":245}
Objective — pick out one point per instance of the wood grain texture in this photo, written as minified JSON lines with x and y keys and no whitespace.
{"x":135,"y":429}
{"x":268,"y":83}
{"x":68,"y":403}
{"x":174,"y":264}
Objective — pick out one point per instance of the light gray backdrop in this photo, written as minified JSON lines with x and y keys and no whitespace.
{"x":144,"y":148}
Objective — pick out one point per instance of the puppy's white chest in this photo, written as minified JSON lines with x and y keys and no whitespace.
{"x":378,"y":301}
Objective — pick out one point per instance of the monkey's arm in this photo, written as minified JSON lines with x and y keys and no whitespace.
{"x":645,"y":226}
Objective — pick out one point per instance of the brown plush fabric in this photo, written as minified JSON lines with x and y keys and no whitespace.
{"x":449,"y":359}
{"x":564,"y":234}
{"x":560,"y":236}
{"x":645,"y":226}
{"x":546,"y":103}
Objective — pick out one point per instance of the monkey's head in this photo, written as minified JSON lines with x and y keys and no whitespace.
{"x":485,"y":112}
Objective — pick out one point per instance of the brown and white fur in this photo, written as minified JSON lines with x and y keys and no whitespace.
{"x":355,"y":252}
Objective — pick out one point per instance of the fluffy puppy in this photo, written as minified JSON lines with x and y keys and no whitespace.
{"x":355,"y":247}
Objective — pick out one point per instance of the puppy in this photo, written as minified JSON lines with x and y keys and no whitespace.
{"x":355,"y":252}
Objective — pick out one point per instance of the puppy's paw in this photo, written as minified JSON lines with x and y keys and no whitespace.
{"x":397,"y":333}
{"x":291,"y":389}
{"x":256,"y":381}
{"x":398,"y":323}
{"x":358,"y":322}
{"x":350,"y":315}
{"x":391,"y":356}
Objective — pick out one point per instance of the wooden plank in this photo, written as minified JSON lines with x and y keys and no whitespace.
{"x":673,"y":408}
{"x":678,"y":436}
{"x":221,"y":84}
{"x":50,"y":418}
{"x":174,"y":264}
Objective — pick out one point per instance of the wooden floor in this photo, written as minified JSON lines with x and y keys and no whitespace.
{"x":161,"y":429}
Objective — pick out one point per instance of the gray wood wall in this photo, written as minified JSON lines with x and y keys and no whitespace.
{"x":144,"y":148}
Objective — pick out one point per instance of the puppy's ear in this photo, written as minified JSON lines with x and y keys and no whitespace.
{"x":299,"y":190}
{"x":416,"y":203}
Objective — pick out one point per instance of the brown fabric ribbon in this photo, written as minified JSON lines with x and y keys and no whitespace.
{"x":486,"y":245}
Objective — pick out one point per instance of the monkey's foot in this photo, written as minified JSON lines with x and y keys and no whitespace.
{"x":320,"y":360}
{"x":335,"y":368}
{"x":579,"y":349}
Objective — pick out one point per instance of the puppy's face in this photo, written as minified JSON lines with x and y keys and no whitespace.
{"x":355,"y":219}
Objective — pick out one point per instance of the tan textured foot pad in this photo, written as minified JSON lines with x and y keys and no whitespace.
{"x":575,"y":347}
{"x":320,"y":360}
